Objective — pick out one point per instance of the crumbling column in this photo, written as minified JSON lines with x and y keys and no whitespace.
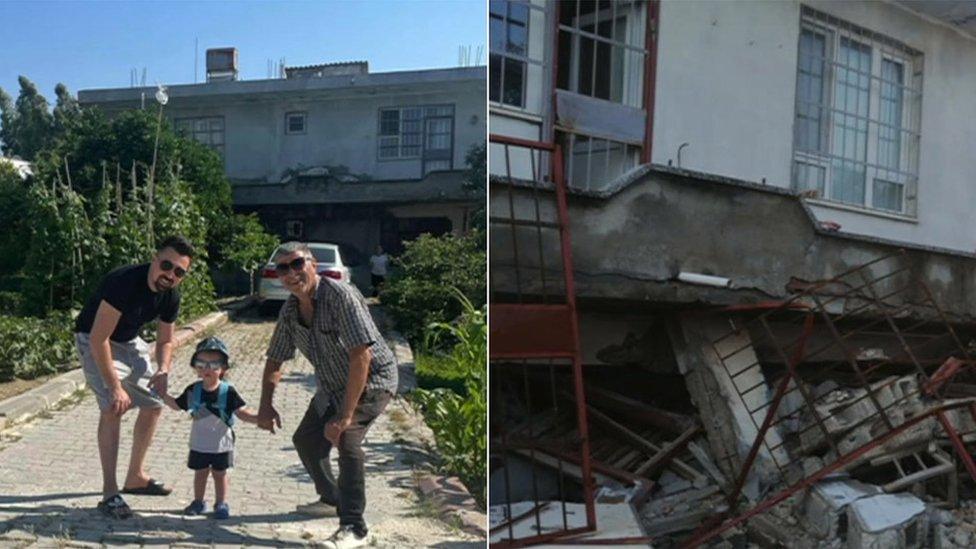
{"x":730,"y":427}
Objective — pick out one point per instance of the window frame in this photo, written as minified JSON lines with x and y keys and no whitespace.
{"x":288,"y":117}
{"x":882,"y":49}
{"x":421,"y":133}
{"x":192,"y":132}
{"x":505,"y":56}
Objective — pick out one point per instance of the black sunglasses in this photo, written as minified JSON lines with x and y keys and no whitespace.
{"x":168,"y":265}
{"x":295,"y":265}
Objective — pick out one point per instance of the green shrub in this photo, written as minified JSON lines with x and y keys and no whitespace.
{"x":10,"y":302}
{"x":419,"y":290}
{"x":458,"y":420}
{"x":33,"y":347}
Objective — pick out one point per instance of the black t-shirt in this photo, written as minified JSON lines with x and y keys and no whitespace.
{"x":209,"y":399}
{"x":127,"y":289}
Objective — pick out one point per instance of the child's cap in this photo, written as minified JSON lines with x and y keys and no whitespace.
{"x":212,"y":344}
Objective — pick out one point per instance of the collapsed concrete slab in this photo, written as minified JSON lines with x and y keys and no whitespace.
{"x":730,"y":395}
{"x":887,"y":521}
{"x":824,"y":507}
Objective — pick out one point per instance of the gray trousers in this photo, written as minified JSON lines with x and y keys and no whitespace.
{"x":349,"y":493}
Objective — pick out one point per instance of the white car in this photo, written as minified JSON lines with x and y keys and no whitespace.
{"x":328,"y":258}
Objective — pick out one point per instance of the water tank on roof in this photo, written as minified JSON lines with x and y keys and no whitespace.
{"x":221,"y":64}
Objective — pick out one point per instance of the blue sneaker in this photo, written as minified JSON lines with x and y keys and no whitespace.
{"x":221,"y":511}
{"x":196,"y":507}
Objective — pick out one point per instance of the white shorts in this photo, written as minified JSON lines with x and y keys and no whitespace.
{"x":132,"y":366}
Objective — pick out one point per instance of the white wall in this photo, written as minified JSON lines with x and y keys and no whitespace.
{"x":339,"y":131}
{"x":726,"y":79}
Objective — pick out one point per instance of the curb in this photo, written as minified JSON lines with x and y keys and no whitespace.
{"x":38,"y":399}
{"x":455,"y":502}
{"x":448,"y":493}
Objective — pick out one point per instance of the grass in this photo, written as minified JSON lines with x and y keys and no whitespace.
{"x":434,"y":372}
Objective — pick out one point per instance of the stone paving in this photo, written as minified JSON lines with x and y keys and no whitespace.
{"x":50,"y":479}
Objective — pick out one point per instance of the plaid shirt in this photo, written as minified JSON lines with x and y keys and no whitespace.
{"x":340,"y":321}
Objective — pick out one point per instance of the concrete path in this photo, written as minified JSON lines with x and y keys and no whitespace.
{"x":50,"y":479}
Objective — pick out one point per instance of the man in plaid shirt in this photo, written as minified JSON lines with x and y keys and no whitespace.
{"x":356,"y":376}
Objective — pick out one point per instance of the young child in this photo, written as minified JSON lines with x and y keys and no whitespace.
{"x":213,"y":404}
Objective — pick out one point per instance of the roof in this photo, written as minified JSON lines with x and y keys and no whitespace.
{"x":436,"y":78}
{"x":325,"y":65}
{"x":959,"y":14}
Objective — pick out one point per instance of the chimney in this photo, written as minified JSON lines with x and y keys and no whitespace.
{"x":221,"y":64}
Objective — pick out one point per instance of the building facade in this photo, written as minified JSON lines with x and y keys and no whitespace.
{"x":856,"y":105}
{"x":764,"y":202}
{"x":333,"y":152}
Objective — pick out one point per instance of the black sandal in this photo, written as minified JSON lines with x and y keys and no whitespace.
{"x":152,"y":488}
{"x":115,"y":507}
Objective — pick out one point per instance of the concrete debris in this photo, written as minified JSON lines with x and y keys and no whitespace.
{"x":887,"y":521}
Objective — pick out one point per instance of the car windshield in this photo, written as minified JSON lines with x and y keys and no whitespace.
{"x":324,"y":255}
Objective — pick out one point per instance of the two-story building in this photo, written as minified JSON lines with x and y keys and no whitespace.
{"x":334,"y":152}
{"x":721,"y":158}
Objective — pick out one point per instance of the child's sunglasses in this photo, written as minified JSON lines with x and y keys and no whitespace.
{"x":208,"y":364}
{"x":168,"y":265}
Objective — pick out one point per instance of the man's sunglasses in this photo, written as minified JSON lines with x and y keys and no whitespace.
{"x":295,"y":265}
{"x":168,"y":265}
{"x":208,"y":364}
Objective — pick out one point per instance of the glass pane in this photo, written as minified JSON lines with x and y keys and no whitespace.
{"x":847,"y":184}
{"x":514,"y":78}
{"x":389,"y":122}
{"x":887,"y":195}
{"x":496,"y":34}
{"x":324,"y":255}
{"x":200,"y":125}
{"x":411,"y":126}
{"x":296,"y":123}
{"x":413,"y":113}
{"x":809,"y":132}
{"x":517,"y":39}
{"x":494,"y":78}
{"x":889,"y":130}
{"x":410,"y":151}
{"x":389,"y":152}
{"x":497,"y":7}
{"x":216,"y":124}
{"x":216,"y":138}
{"x":850,"y":124}
{"x":810,"y":177}
{"x":518,"y":13}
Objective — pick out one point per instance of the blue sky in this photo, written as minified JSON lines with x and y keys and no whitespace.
{"x":95,"y":44}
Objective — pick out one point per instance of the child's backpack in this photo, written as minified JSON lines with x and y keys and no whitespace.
{"x":196,"y":401}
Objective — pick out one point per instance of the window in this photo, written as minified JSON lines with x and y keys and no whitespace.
{"x":425,"y":132}
{"x":207,"y":130}
{"x":294,"y":123}
{"x":858,"y":109}
{"x":602,"y":49}
{"x":508,"y":25}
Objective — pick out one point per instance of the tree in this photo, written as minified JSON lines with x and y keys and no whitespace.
{"x":250,"y":245}
{"x":7,"y":116}
{"x":16,"y":231}
{"x":475,"y":182}
{"x":29,"y":126}
{"x":66,"y":111}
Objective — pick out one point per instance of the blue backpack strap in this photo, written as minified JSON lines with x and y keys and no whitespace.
{"x":226,"y":416}
{"x":196,"y":398}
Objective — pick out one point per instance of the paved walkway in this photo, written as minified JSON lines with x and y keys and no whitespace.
{"x":50,"y":480}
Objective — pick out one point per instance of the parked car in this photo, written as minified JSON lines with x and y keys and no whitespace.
{"x":271,"y":293}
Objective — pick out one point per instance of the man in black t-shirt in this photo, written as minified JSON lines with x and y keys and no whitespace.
{"x":116,"y":361}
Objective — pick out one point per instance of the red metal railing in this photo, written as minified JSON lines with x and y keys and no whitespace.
{"x":890,"y":386}
{"x":534,"y":339}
